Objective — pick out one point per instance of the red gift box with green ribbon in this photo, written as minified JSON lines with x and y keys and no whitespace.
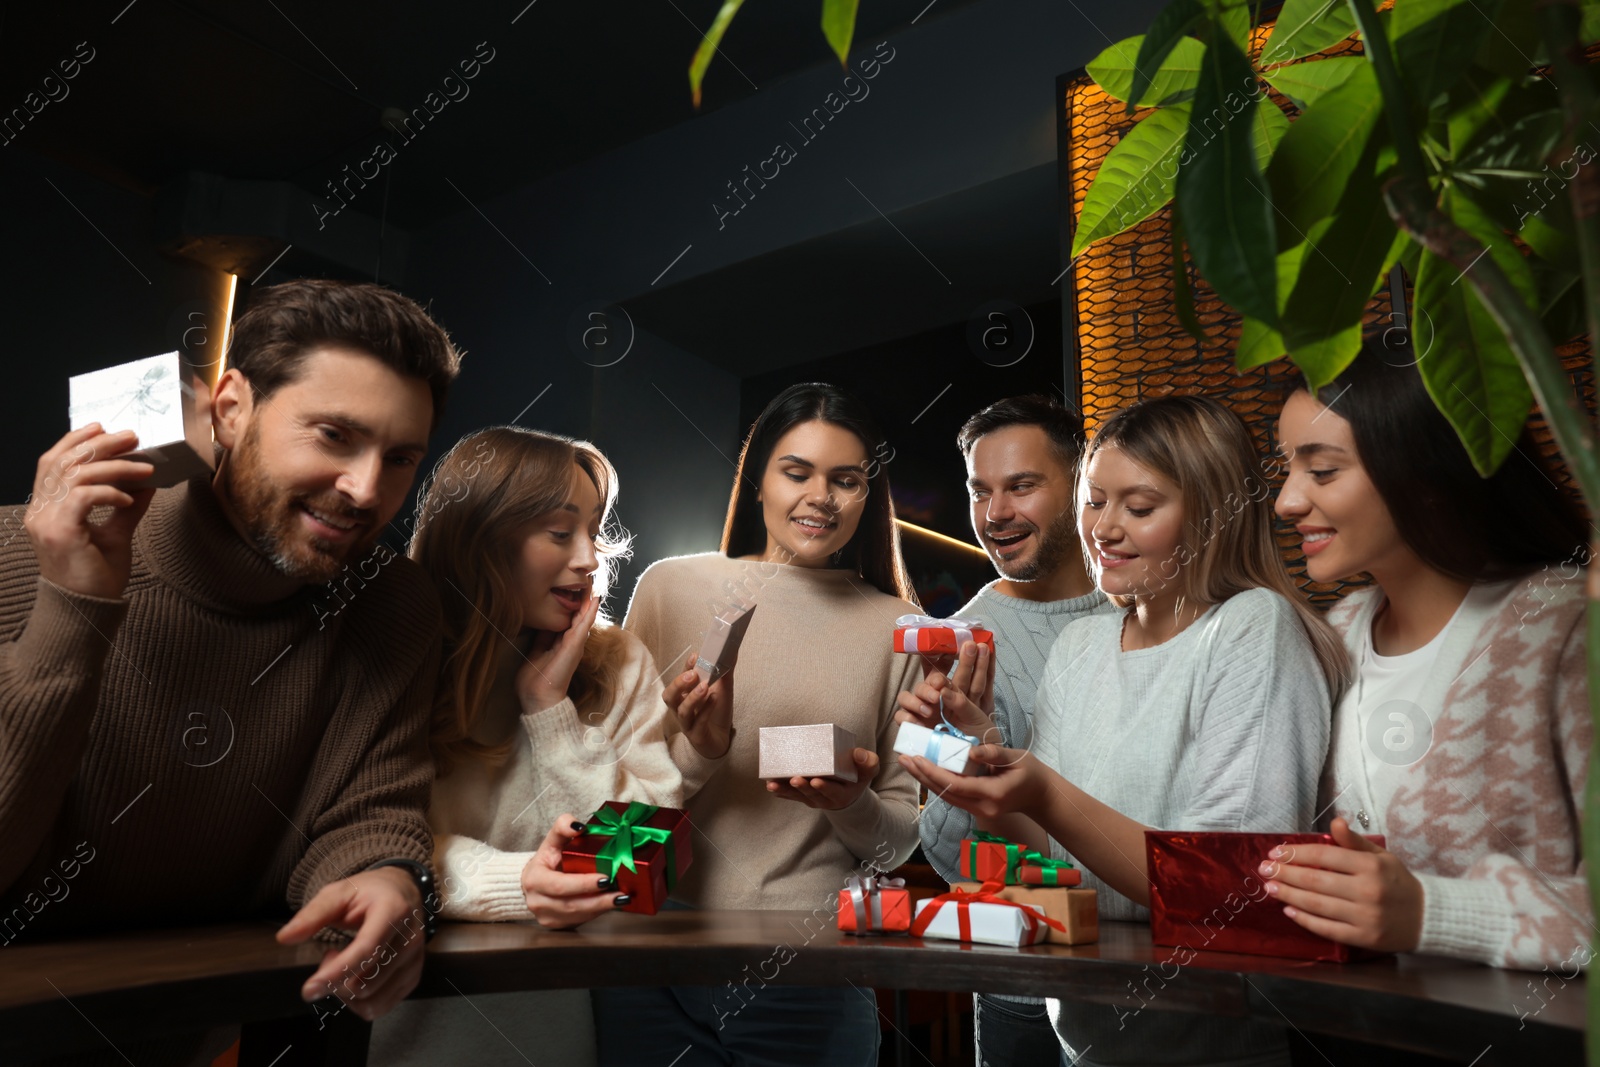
{"x":987,"y":857}
{"x":643,"y":847}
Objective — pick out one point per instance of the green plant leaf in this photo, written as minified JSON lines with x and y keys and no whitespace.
{"x":1306,"y":27}
{"x":1323,"y":361}
{"x":1304,"y":83}
{"x":1522,"y":146}
{"x":1170,"y":27}
{"x":1182,"y":294}
{"x":1267,"y":127}
{"x":1434,"y":40}
{"x":1470,"y":370}
{"x":1220,"y":189}
{"x":1513,"y":45}
{"x":1589,"y":29}
{"x":1346,"y":257}
{"x":1136,"y":178}
{"x":1112,"y":70}
{"x":1234,"y":18}
{"x":839,"y":26}
{"x":708,"y":46}
{"x":1259,"y":344}
{"x":1313,"y":164}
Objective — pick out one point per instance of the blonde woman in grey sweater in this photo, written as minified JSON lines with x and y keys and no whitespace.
{"x":1203,"y":705}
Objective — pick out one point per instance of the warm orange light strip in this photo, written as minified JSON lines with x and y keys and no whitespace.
{"x":227,"y":325}
{"x":937,"y":536}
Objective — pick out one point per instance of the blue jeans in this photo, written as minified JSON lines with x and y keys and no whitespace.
{"x":769,"y":1026}
{"x":1011,"y":1033}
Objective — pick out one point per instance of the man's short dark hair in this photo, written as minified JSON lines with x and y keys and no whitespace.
{"x":1062,"y":427}
{"x":287,"y":321}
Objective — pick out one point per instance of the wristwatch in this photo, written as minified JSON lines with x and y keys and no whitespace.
{"x":430,"y":899}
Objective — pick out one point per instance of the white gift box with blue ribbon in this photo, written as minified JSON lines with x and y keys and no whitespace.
{"x":943,"y":745}
{"x":153,"y":398}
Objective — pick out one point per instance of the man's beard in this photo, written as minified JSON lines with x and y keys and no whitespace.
{"x":1051,"y":550}
{"x":271,"y":516}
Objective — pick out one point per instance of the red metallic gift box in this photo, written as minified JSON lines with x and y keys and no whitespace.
{"x":1207,"y":894}
{"x":644,"y":847}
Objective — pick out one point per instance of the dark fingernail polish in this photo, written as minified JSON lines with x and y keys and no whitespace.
{"x":577,"y":827}
{"x":606,"y":883}
{"x":624,"y":900}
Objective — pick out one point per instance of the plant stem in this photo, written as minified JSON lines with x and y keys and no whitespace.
{"x":1559,"y":21}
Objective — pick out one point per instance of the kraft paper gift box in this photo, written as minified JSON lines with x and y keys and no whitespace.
{"x":937,"y":637}
{"x":943,"y":745}
{"x":822,"y":750}
{"x":1207,"y":893}
{"x":153,"y":398}
{"x":644,"y":848}
{"x":875,"y":904}
{"x":981,"y":918}
{"x":987,"y":857}
{"x":720,"y":649}
{"x":1077,"y":910}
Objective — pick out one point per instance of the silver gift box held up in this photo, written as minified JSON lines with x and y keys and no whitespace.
{"x":153,"y":398}
{"x":820,"y":751}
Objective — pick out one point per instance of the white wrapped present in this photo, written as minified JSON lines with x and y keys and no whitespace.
{"x":943,"y":745}
{"x":152,"y":398}
{"x":981,"y":918}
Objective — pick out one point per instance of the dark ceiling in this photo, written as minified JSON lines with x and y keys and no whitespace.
{"x":294,"y":90}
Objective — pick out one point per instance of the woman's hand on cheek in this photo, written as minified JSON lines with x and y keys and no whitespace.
{"x":829,"y":794}
{"x":1353,"y":892}
{"x":559,"y":900}
{"x":1015,"y":782}
{"x":542,"y":681}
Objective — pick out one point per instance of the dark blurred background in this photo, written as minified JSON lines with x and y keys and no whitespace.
{"x":566,"y":213}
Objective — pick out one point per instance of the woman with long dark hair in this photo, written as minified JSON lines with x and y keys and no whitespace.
{"x":810,"y":542}
{"x":1465,"y":737}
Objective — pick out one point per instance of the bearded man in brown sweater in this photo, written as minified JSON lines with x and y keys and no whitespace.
{"x":188,"y":732}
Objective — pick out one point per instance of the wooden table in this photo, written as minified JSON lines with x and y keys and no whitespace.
{"x":78,"y":995}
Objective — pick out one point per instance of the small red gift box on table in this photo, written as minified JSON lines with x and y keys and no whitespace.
{"x":987,"y":857}
{"x":643,"y":847}
{"x":1207,"y":893}
{"x":937,"y":637}
{"x":875,"y":904}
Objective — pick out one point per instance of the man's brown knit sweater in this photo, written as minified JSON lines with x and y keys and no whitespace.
{"x":217,"y":743}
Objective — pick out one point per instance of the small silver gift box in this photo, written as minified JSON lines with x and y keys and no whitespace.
{"x":153,"y":398}
{"x":820,"y":751}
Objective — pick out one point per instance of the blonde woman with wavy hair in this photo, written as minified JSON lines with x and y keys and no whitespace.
{"x":1202,"y":705}
{"x":544,"y":711}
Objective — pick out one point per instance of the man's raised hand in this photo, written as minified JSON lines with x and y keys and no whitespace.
{"x":87,"y":469}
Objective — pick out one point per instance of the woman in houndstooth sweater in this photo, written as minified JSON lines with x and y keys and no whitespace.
{"x":1464,"y":739}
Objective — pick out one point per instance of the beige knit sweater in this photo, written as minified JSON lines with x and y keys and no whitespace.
{"x":209,"y":745}
{"x":819,"y":650}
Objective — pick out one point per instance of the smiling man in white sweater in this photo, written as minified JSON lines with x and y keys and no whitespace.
{"x":1021,"y":455}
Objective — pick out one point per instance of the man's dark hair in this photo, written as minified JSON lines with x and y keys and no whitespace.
{"x":1062,"y":427}
{"x":287,"y":321}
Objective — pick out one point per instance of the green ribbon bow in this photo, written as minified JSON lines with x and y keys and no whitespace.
{"x":1016,"y":856}
{"x":626,"y":835}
